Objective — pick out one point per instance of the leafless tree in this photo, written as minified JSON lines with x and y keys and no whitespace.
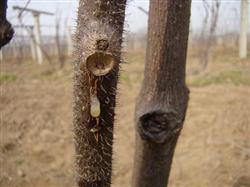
{"x":36,"y":35}
{"x":33,"y":38}
{"x":207,"y":36}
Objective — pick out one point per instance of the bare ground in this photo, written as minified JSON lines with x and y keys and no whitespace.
{"x":36,"y":147}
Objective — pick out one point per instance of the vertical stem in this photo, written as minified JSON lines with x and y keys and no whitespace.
{"x":38,"y":39}
{"x":1,"y":56}
{"x":69,"y":40}
{"x":3,"y":8}
{"x":243,"y":29}
{"x":33,"y":44}
{"x":99,"y":35}
{"x":68,"y":37}
{"x":60,"y":53}
{"x":6,"y":30}
{"x":163,"y":99}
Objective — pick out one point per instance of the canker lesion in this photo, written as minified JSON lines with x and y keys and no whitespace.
{"x":100,"y":63}
{"x":158,"y":126}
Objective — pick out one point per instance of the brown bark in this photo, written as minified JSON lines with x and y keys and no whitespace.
{"x":163,"y":99}
{"x":6,"y":30}
{"x":97,"y":46}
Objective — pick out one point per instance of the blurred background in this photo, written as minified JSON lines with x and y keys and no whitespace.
{"x":36,"y":138}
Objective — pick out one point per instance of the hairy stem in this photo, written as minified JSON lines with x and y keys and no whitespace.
{"x":97,"y":56}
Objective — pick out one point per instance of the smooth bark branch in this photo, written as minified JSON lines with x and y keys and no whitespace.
{"x":97,"y":56}
{"x":6,"y":30}
{"x":163,"y":99}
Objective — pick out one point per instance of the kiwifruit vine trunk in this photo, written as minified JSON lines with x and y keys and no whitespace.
{"x":97,"y":56}
{"x":6,"y":30}
{"x":162,"y":102}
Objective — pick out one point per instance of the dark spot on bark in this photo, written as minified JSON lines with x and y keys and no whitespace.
{"x":158,"y":126}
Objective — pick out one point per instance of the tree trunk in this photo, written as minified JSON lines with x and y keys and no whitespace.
{"x":243,"y":29}
{"x":6,"y":30}
{"x":97,"y":56}
{"x":163,"y":99}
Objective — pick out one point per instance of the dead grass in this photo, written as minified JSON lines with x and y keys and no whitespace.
{"x":36,"y":147}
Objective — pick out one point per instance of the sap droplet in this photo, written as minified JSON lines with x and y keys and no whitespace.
{"x":95,"y":108}
{"x":83,"y":108}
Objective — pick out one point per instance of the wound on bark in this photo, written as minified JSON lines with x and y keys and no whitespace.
{"x":158,"y":126}
{"x":100,"y":63}
{"x":97,"y":56}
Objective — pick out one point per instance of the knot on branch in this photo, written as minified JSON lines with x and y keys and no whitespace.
{"x":6,"y":32}
{"x":158,"y":126}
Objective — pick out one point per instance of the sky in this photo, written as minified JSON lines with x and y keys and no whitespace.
{"x":136,"y":20}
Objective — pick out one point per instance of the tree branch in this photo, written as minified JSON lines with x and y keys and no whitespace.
{"x":6,"y":30}
{"x":97,"y":56}
{"x":163,"y":99}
